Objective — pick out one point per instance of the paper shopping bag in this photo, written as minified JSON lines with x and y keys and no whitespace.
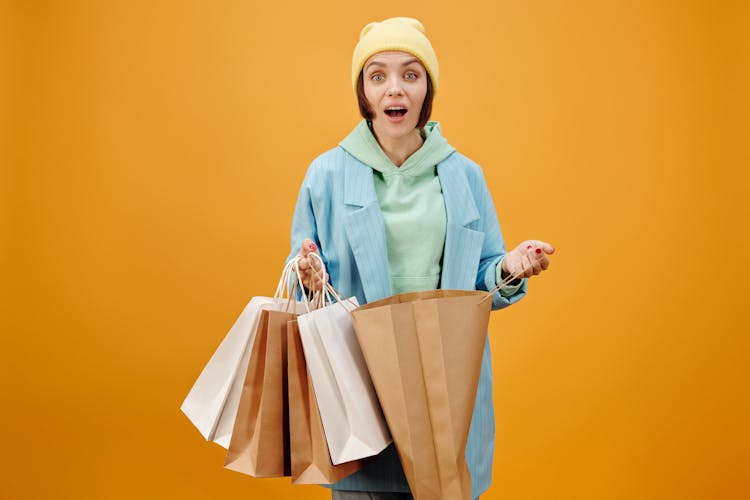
{"x":211,"y":404}
{"x":311,"y":461}
{"x":260,"y":438}
{"x":205,"y":402}
{"x":424,"y":353}
{"x":352,"y":418}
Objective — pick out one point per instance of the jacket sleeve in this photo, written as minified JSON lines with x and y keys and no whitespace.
{"x":304,"y":224}
{"x":303,"y":219}
{"x":493,"y":249}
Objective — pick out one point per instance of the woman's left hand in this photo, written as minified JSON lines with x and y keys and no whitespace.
{"x":528,"y":259}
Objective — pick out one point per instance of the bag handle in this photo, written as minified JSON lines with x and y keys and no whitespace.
{"x":328,"y":295}
{"x":507,"y":281}
{"x":321,"y":298}
{"x":283,"y":286}
{"x":287,"y":286}
{"x":291,"y":278}
{"x":301,"y":286}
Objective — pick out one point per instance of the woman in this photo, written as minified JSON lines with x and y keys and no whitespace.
{"x":394,"y":208}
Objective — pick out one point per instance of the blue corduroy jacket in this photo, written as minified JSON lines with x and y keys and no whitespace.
{"x":338,"y":209}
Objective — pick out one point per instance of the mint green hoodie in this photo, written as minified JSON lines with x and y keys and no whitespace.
{"x":411,"y":201}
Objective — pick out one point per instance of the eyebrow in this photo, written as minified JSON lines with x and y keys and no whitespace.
{"x":405,"y":63}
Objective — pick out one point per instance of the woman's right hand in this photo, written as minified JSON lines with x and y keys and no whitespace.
{"x":311,"y":269}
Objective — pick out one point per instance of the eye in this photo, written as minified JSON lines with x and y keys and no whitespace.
{"x":377,"y":77}
{"x":411,"y":75}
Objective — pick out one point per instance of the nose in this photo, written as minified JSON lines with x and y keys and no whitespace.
{"x":394,"y":89}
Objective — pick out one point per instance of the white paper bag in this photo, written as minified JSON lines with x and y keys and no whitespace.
{"x":352,"y":418}
{"x":211,"y":405}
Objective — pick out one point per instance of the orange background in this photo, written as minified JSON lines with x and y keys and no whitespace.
{"x":151,"y":156}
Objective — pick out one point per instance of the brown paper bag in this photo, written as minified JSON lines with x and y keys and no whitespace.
{"x":260,"y":438}
{"x":311,"y":460}
{"x":424,"y":353}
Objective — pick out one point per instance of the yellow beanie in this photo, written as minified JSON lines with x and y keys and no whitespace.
{"x":397,"y":33}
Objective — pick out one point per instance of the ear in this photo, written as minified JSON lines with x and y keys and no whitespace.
{"x":366,"y":30}
{"x":414,"y":23}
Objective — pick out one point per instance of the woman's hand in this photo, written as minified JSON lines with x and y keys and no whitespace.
{"x":311,"y":269}
{"x":527,"y":259}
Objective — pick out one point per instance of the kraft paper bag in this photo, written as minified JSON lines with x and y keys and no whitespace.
{"x":310,"y":458}
{"x":260,"y":438}
{"x":424,"y":354}
{"x":354,"y":424}
{"x":211,"y":405}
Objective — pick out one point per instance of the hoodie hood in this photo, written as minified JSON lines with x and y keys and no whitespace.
{"x":411,"y":201}
{"x":362,"y":144}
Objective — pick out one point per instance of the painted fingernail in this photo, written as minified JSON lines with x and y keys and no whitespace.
{"x":528,"y":247}
{"x":538,"y":250}
{"x":312,"y":246}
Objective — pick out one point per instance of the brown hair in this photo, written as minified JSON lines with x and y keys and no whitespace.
{"x":366,"y":111}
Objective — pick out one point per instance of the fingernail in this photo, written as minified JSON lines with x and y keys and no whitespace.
{"x":528,"y":247}
{"x":312,"y":246}
{"x":538,"y":250}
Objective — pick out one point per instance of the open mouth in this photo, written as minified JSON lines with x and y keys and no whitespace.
{"x":395,"y":111}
